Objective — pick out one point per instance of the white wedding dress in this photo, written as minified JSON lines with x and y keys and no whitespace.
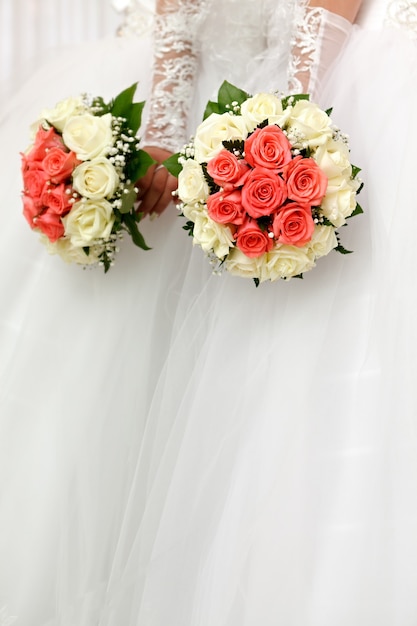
{"x":181,"y":448}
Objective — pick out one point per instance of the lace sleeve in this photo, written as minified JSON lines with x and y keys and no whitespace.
{"x":175,"y":63}
{"x":318,"y":37}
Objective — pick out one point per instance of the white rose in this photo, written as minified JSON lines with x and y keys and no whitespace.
{"x":212,"y":237}
{"x":239,"y":264}
{"x":65,"y":109}
{"x":286,"y":261}
{"x":264,"y":106}
{"x":308,"y":125}
{"x":89,"y":221}
{"x":190,"y":211}
{"x":333,"y":159}
{"x":95,"y":179}
{"x":89,"y":136}
{"x":192,"y":186}
{"x":213,"y":131}
{"x":340,"y":200}
{"x":323,"y":241}
{"x":72,"y":254}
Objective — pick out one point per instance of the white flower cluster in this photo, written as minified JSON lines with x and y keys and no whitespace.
{"x":310,"y":131}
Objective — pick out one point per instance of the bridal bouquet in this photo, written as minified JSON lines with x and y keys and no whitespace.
{"x":79,"y":177}
{"x":265,"y":183}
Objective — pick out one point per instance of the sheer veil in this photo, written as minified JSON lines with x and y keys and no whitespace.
{"x":88,"y":442}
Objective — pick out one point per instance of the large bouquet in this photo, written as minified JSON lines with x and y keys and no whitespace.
{"x":265,"y":184}
{"x":79,"y":177}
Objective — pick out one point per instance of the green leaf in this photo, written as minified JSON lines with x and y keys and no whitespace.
{"x":128,"y":200}
{"x":294,"y":98}
{"x":342,"y":250}
{"x":228,"y":93}
{"x":189,"y":227}
{"x":326,"y":222}
{"x":257,"y":282}
{"x":233,"y":145}
{"x":134,"y":116}
{"x":130,"y":222}
{"x":263,"y":124}
{"x":211,"y":107}
{"x":329,"y":111}
{"x":172,"y":164}
{"x":212,"y":185}
{"x":123,"y":102}
{"x":104,"y":258}
{"x":139,"y":165}
{"x":355,"y":171}
{"x":357,"y":211}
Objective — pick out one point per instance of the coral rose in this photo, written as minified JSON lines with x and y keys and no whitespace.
{"x":227,"y":170}
{"x":226,"y":207}
{"x":30,"y":210}
{"x":50,"y":224}
{"x":306,"y":182}
{"x":59,"y":164}
{"x":293,"y":224}
{"x":56,"y":198}
{"x":45,"y":139}
{"x":268,"y":147}
{"x":34,"y":181}
{"x":263,"y":193}
{"x":252,"y":240}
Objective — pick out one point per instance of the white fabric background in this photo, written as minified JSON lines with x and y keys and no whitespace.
{"x":33,"y":30}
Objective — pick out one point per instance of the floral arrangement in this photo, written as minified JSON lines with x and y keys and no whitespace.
{"x":265,"y":183}
{"x":79,"y":177}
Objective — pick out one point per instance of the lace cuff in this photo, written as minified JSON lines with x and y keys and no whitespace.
{"x":175,"y":63}
{"x":319,"y":36}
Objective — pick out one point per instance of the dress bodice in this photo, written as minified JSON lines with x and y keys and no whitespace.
{"x":373,"y":14}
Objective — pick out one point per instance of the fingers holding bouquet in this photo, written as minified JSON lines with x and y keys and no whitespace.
{"x":157,"y":186}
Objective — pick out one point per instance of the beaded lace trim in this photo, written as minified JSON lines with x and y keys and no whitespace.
{"x":403,"y":14}
{"x":307,"y":27}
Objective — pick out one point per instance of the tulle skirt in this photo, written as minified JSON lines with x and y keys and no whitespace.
{"x":182,"y":448}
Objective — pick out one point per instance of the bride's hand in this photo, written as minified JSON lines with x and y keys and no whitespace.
{"x":156,"y":187}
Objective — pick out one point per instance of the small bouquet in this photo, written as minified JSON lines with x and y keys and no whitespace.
{"x":79,"y":177}
{"x":265,"y":184}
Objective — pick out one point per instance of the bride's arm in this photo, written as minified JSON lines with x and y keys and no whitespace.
{"x":346,"y":8}
{"x":174,"y":69}
{"x":321,"y":29}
